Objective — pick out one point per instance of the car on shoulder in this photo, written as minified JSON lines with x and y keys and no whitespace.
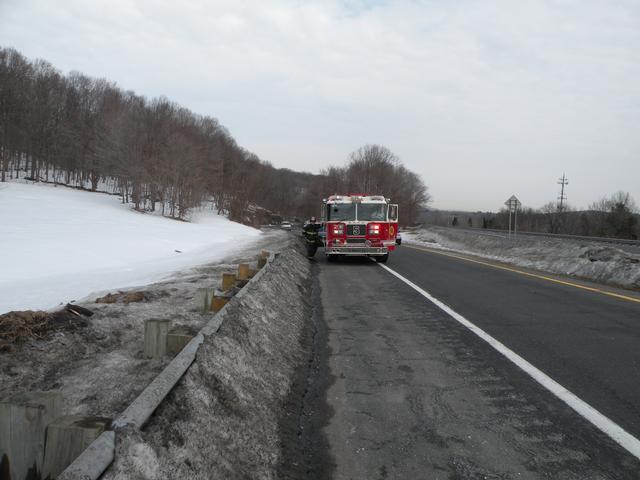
{"x":286,"y":226}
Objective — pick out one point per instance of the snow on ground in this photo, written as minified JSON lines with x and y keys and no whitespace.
{"x":588,"y":260}
{"x":59,"y":244}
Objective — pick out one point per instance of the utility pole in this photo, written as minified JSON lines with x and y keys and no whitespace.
{"x":562,"y":181}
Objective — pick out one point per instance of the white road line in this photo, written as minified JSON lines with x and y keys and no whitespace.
{"x":604,"y":424}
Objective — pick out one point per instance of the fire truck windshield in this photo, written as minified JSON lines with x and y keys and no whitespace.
{"x":372,"y":212}
{"x":341,"y":212}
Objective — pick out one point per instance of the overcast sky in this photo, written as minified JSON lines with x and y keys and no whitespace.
{"x":482,"y":98}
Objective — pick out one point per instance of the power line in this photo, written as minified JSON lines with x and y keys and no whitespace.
{"x":562,"y":181}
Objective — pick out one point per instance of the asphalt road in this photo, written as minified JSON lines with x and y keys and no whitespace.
{"x":413,"y":394}
{"x":587,"y":342}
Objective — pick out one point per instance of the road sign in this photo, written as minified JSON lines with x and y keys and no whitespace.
{"x":513,"y":204}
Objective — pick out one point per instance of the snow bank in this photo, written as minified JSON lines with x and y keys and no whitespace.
{"x":588,"y":260}
{"x":235,"y":408}
{"x":59,"y":244}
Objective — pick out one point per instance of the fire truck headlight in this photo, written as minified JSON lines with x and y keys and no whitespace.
{"x":338,"y":229}
{"x":374,"y":229}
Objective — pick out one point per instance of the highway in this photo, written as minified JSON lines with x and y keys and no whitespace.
{"x":412,"y":393}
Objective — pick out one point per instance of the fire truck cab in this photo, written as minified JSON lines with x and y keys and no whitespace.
{"x":364,"y":225}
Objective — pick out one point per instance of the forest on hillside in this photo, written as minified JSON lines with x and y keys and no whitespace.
{"x":161,"y":157}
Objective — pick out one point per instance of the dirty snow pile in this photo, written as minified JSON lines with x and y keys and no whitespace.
{"x":235,"y":413}
{"x":59,"y":244}
{"x":588,"y":260}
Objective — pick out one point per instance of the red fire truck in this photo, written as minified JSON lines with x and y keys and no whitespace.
{"x":360,"y":224}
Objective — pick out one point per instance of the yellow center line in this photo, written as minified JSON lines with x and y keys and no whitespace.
{"x":528,"y":274}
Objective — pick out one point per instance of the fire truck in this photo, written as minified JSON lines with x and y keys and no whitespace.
{"x":359,"y":224}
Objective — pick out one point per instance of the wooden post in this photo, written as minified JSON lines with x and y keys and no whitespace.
{"x":203,"y":298}
{"x":23,"y":420}
{"x":243,"y":271}
{"x":155,"y":337}
{"x":176,"y":341}
{"x":67,"y":437}
{"x":217,"y":302}
{"x":228,"y":281}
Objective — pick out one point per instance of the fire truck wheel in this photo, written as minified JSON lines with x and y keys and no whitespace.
{"x":382,"y":258}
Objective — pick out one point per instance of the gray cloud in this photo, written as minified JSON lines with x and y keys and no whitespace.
{"x":483,"y":99}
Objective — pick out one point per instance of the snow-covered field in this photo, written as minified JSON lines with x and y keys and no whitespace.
{"x":598,"y":262}
{"x":59,"y":244}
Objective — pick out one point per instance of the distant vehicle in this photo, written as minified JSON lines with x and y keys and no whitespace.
{"x":398,"y":239}
{"x":363,"y":225}
{"x":286,"y":226}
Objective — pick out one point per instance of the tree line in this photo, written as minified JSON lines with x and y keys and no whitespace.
{"x":159,"y":156}
{"x":613,"y":216}
{"x":374,"y":169}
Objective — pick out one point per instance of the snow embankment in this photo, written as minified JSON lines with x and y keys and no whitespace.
{"x":588,"y":260}
{"x":235,"y":413}
{"x":58,"y":244}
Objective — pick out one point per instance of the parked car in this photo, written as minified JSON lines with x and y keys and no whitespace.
{"x":286,"y":226}
{"x":398,"y":239}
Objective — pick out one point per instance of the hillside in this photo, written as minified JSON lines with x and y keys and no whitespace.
{"x":59,"y":244}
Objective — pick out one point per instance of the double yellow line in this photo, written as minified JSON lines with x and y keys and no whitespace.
{"x":528,"y":274}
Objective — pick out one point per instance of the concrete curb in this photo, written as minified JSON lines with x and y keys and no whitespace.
{"x":92,"y":463}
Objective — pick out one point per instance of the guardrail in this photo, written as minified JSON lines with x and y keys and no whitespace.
{"x":98,"y":456}
{"x":619,"y":241}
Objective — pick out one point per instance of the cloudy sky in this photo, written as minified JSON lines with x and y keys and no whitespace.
{"x":481,"y":98}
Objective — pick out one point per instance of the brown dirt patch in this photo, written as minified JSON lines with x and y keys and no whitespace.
{"x":124,"y":297}
{"x":19,"y":326}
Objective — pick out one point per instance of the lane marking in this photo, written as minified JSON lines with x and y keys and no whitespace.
{"x":601,"y":422}
{"x":529,"y":274}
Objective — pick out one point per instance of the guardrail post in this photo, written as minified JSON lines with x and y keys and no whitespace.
{"x":243,"y":271}
{"x":262,"y":259}
{"x":203,"y":298}
{"x":155,"y":337}
{"x":176,"y":341}
{"x":228,"y":281}
{"x":23,"y":420}
{"x":218,"y":301}
{"x":67,"y":437}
